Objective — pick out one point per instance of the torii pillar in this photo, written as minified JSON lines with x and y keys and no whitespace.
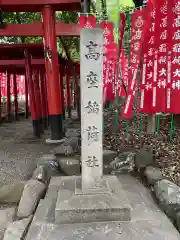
{"x":52,"y":74}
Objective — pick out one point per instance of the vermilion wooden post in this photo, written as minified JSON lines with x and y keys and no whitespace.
{"x":43,"y":99}
{"x":62,"y":72}
{"x":46,"y":97}
{"x":68,"y":93}
{"x":37,"y":93}
{"x":8,"y":78}
{"x":0,"y":101}
{"x":72,"y":97}
{"x":26,"y":98}
{"x":52,"y":72}
{"x":78,"y":102}
{"x":34,"y":114}
{"x":15,"y":97}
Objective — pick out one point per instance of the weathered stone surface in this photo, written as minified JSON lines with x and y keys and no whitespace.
{"x":143,"y":159}
{"x":74,"y":142}
{"x":52,"y":192}
{"x":148,"y":221}
{"x":47,"y":159}
{"x":11,"y":193}
{"x":53,"y":188}
{"x":143,"y":230}
{"x":153,"y":174}
{"x":45,"y":210}
{"x":50,"y":163}
{"x":168,"y":194}
{"x":17,"y":230}
{"x":106,"y":202}
{"x":32,"y":193}
{"x":72,"y":132}
{"x":178,"y":220}
{"x":40,"y":174}
{"x":70,"y":165}
{"x":63,"y":150}
{"x":69,"y":147}
{"x":108,"y":156}
{"x":6,"y":216}
{"x":123,"y":163}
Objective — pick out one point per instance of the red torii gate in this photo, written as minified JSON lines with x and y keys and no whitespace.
{"x":48,"y":8}
{"x":9,"y":53}
{"x":36,"y":30}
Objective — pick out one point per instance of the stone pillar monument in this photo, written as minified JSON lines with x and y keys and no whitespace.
{"x":91,"y":107}
{"x":91,"y":197}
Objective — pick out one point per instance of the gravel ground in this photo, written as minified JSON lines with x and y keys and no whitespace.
{"x":166,"y":152}
{"x":19,"y":151}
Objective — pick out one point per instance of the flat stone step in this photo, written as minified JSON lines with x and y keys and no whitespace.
{"x":140,"y":230}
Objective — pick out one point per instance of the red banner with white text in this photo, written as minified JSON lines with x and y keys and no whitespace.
{"x":137,"y":27}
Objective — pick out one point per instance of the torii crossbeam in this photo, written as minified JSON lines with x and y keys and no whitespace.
{"x":37,"y":5}
{"x":36,"y":30}
{"x":48,"y":29}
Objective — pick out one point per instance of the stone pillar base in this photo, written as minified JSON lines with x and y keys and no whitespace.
{"x":76,"y":206}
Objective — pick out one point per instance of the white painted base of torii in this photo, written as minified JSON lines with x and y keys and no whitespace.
{"x":91,"y":197}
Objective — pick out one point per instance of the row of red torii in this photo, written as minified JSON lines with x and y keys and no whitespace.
{"x":44,"y":75}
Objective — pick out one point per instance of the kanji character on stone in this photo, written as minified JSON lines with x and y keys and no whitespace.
{"x":92,"y":162}
{"x":92,"y":80}
{"x":93,"y":133}
{"x":92,"y":51}
{"x":93,"y":107}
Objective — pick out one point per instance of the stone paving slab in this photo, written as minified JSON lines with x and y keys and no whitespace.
{"x":140,"y":230}
{"x":141,"y":201}
{"x":148,"y":221}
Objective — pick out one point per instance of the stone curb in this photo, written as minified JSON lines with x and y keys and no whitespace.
{"x":165,"y":192}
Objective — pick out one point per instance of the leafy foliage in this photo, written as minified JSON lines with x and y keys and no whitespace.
{"x":104,"y":8}
{"x":29,"y":17}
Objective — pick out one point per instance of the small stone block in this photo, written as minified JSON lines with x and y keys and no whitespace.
{"x":75,"y":206}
